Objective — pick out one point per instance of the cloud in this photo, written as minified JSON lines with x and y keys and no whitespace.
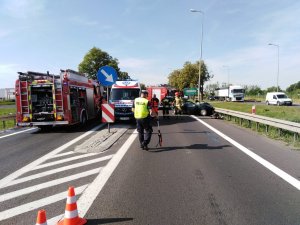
{"x":24,"y":8}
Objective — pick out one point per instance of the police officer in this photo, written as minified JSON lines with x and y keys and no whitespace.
{"x":142,"y":111}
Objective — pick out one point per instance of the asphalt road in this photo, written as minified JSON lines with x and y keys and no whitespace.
{"x":199,"y":178}
{"x":196,"y":177}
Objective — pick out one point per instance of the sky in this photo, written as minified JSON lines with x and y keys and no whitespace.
{"x":151,"y":38}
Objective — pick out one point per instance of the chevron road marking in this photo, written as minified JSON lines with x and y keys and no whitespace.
{"x":65,"y":168}
{"x":41,"y":186}
{"x":37,"y":204}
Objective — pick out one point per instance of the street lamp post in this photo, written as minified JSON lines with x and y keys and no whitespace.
{"x":277,"y":63}
{"x":199,"y":78}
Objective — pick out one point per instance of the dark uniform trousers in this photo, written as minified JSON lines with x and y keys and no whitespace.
{"x":144,"y":124}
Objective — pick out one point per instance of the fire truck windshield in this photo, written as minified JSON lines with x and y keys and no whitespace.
{"x":124,"y":94}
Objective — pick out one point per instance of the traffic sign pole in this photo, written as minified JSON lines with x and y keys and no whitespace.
{"x":107,"y":97}
{"x":107,"y":76}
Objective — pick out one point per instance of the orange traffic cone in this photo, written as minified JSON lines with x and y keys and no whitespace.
{"x":71,"y":213}
{"x":41,"y":218}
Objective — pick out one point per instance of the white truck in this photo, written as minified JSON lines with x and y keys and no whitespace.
{"x":122,"y":96}
{"x":233,"y":93}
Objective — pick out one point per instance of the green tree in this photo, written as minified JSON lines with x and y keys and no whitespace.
{"x":123,"y":76}
{"x":188,"y":76}
{"x":253,"y":90}
{"x":273,"y":89}
{"x":143,"y":86}
{"x":293,"y":87}
{"x":174,"y":77}
{"x":96,"y":58}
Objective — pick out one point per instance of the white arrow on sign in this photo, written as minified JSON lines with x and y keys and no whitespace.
{"x":109,"y":78}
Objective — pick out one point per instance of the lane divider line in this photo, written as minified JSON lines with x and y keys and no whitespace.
{"x":285,"y":176}
{"x":18,"y":132}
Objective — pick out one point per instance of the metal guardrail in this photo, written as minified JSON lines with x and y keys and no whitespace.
{"x":280,"y":124}
{"x":4,"y":119}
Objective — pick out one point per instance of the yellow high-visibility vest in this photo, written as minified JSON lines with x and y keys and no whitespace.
{"x":141,"y":108}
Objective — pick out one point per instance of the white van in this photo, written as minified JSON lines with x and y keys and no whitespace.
{"x":278,"y":98}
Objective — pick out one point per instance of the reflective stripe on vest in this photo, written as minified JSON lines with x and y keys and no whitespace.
{"x":141,"y":108}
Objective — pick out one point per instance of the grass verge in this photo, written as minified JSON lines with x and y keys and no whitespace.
{"x":279,"y":112}
{"x":7,"y":123}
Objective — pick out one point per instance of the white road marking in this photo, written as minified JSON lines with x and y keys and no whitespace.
{"x":63,"y":154}
{"x":23,"y":131}
{"x":80,"y":156}
{"x":30,"y":166}
{"x":49,"y":172}
{"x":38,"y":187}
{"x":37,"y":204}
{"x":285,"y":176}
{"x":91,"y":192}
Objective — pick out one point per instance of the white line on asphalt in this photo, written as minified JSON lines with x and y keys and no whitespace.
{"x":30,"y":166}
{"x":63,"y":154}
{"x":48,"y":184}
{"x":37,"y":204}
{"x":285,"y":176}
{"x":49,"y":172}
{"x":91,"y":192}
{"x":18,"y":132}
{"x":80,"y":156}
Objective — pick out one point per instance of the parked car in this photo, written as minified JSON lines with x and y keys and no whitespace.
{"x":202,"y":108}
{"x":278,"y":98}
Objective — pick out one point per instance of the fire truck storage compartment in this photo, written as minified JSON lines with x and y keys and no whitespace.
{"x":74,"y":100}
{"x":42,"y":102}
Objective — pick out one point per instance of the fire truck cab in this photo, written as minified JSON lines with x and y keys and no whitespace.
{"x":44,"y":99}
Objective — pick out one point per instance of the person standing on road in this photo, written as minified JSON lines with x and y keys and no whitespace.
{"x":154,"y":105}
{"x":177,"y":104}
{"x":166,"y":107}
{"x":142,"y":110}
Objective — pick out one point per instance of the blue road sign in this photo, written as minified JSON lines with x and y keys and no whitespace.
{"x":107,"y":75}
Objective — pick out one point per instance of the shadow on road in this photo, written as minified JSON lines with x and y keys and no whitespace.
{"x":190,"y":147}
{"x":107,"y":220}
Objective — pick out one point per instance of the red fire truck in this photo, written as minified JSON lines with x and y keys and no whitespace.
{"x":45,"y":100}
{"x":160,"y":92}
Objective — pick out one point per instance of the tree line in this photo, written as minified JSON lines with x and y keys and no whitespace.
{"x":185,"y":77}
